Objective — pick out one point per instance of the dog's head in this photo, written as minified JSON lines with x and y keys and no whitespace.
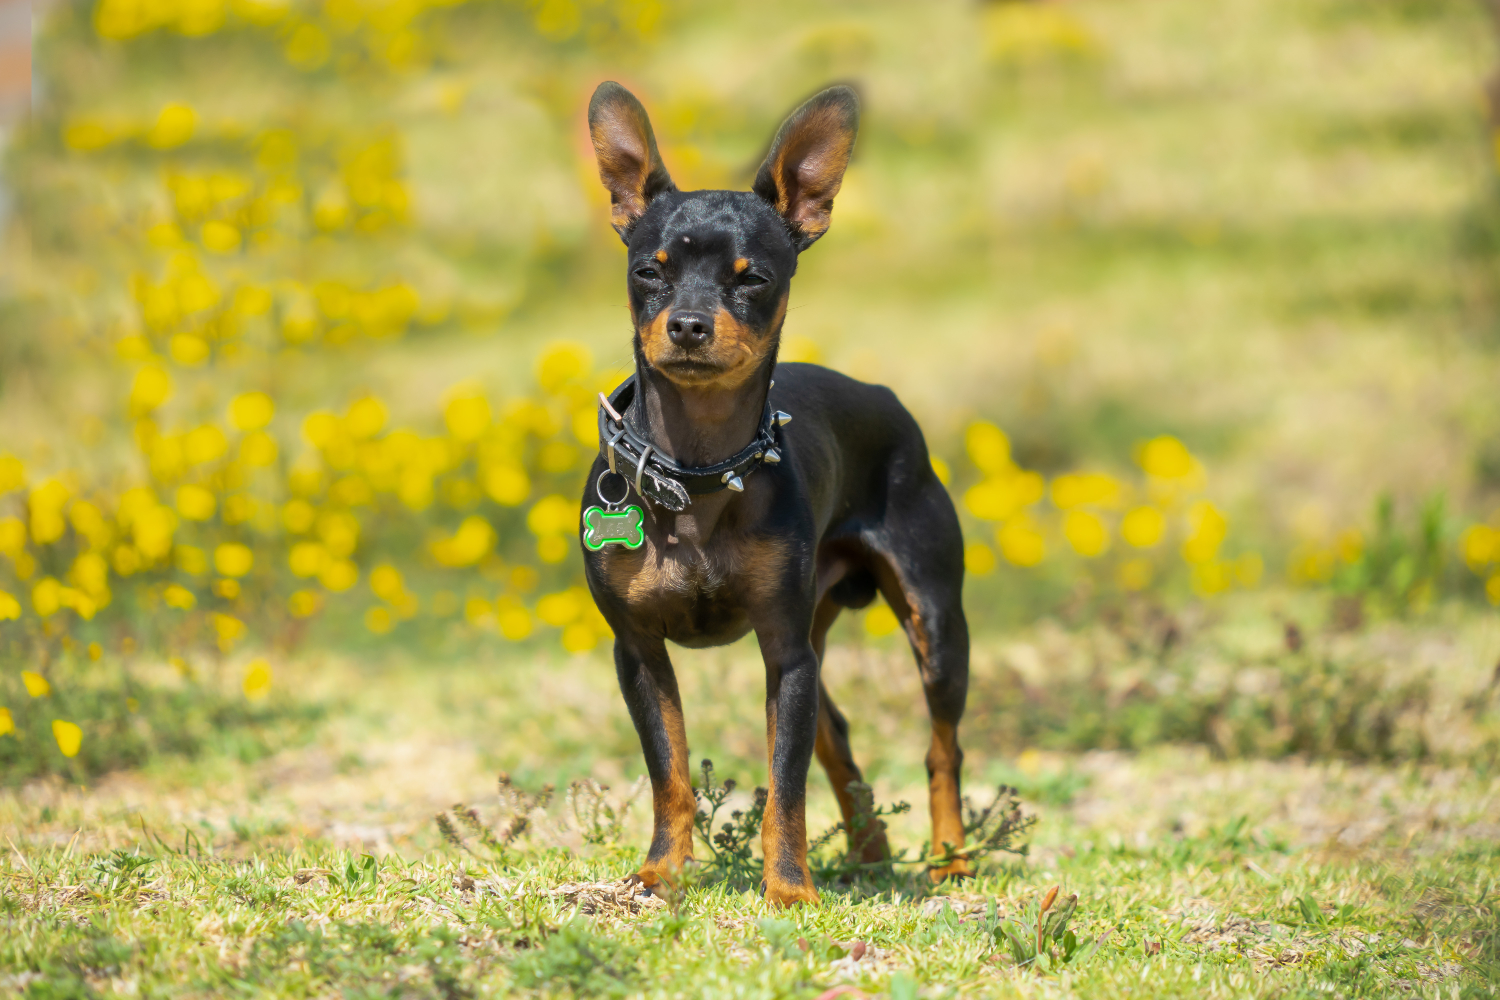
{"x":709,"y":271}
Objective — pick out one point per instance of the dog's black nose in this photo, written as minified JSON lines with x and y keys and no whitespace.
{"x":689,"y":329}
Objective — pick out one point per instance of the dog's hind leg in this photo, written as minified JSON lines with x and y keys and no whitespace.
{"x":650,"y":688}
{"x":920,"y":568}
{"x":866,"y":836}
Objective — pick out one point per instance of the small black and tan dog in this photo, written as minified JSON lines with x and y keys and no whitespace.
{"x":778,"y":534}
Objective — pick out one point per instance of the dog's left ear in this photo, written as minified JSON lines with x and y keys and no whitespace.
{"x":805,"y":167}
{"x":629,"y":165}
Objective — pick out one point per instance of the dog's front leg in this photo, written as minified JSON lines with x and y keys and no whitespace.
{"x":791,"y":731}
{"x":650,"y":688}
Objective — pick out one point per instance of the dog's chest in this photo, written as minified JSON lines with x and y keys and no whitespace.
{"x":699,"y":590}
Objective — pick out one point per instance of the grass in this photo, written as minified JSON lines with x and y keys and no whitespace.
{"x":320,"y":869}
{"x":1266,"y":226}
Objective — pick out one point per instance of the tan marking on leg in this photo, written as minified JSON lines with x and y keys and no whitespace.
{"x":832,"y":750}
{"x":783,"y":841}
{"x":672,"y":802}
{"x":943,"y":760}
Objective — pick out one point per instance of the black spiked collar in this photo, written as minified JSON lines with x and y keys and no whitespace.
{"x":656,"y":477}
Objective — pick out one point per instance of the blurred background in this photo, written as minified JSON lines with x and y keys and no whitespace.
{"x":304,"y":306}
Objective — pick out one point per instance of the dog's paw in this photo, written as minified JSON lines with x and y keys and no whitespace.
{"x":956,"y":870}
{"x":780,"y":893}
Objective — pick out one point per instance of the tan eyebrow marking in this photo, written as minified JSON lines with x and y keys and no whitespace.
{"x":740,"y":265}
{"x":661,"y":255}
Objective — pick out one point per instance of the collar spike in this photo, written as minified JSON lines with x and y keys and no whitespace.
{"x":772,"y":456}
{"x":734,"y":483}
{"x":782,"y":418}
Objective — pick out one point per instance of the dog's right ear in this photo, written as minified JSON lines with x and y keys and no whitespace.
{"x":629,"y":165}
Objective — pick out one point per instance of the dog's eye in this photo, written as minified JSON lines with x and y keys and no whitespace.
{"x":752,"y":280}
{"x":647,"y":273}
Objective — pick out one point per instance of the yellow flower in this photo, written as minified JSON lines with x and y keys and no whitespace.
{"x":467,"y":415}
{"x":338,"y":575}
{"x":339,"y":531}
{"x":190,"y":559}
{"x":513,"y":618}
{"x":469,"y":544}
{"x":69,"y":737}
{"x":1094,"y":489}
{"x":10,"y":608}
{"x":220,"y":237}
{"x":553,"y":549}
{"x":999,"y":497}
{"x":366,"y":418}
{"x":880,"y":621}
{"x":321,"y":428}
{"x":560,"y":364}
{"x":1207,"y":527}
{"x":12,"y":473}
{"x":178,"y":596}
{"x":252,"y":300}
{"x":307,"y":559}
{"x":188,"y":349}
{"x":1135,"y":574}
{"x":258,"y":449}
{"x":979,"y":559}
{"x":586,"y":427}
{"x":579,"y":637}
{"x":7,"y":724}
{"x":46,"y":597}
{"x":1086,"y":533}
{"x":553,"y":515}
{"x":174,"y":126}
{"x":379,"y":620}
{"x":1020,"y":542}
{"x":988,"y":447}
{"x":88,"y":134}
{"x":476,"y":610}
{"x":36,"y":684}
{"x":557,"y":456}
{"x":386,"y":582}
{"x":940,"y":469}
{"x":563,"y":607}
{"x":1165,"y":457}
{"x":250,"y":411}
{"x":799,"y":348}
{"x":228,"y":628}
{"x":1211,"y":577}
{"x":233,"y":559}
{"x":1143,"y":526}
{"x":507,"y":485}
{"x":204,"y":444}
{"x":298,"y":516}
{"x":257,"y":682}
{"x":46,"y":502}
{"x":304,"y":603}
{"x":195,"y":503}
{"x":12,"y":536}
{"x":308,"y":47}
{"x":1480,"y":545}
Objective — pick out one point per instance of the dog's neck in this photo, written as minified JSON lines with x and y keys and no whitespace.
{"x":698,"y":425}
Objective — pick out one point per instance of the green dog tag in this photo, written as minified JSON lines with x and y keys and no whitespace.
{"x":602,"y":527}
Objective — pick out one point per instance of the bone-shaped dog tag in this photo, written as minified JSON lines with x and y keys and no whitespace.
{"x":624,"y":527}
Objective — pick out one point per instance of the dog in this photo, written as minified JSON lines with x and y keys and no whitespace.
{"x":734,"y":493}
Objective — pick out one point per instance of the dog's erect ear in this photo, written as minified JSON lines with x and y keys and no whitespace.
{"x":629,"y":165}
{"x":806,"y":164}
